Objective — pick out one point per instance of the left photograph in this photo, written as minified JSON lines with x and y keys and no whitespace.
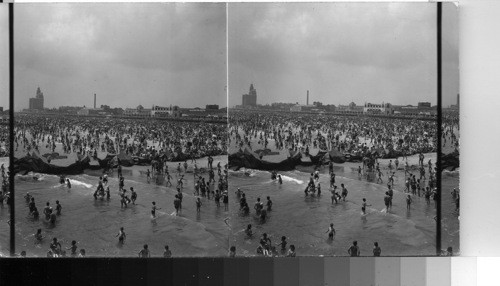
{"x":120,"y":130}
{"x":5,"y":200}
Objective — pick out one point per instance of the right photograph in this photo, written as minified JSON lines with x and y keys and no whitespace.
{"x":333,"y":129}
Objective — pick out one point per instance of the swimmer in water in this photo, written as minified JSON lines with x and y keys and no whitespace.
{"x":27,"y":197}
{"x":335,"y":195}
{"x":291,"y":251}
{"x":73,"y":248}
{"x":283,"y":244}
{"x":121,"y":236}
{"x":263,"y":215}
{"x":344,"y":192}
{"x":55,"y":246}
{"x":167,"y":253}
{"x":354,"y":249}
{"x":144,"y":253}
{"x":198,"y":205}
{"x":387,"y":200}
{"x":53,"y":218}
{"x":38,"y":235}
{"x":408,"y":202}
{"x":376,"y":249}
{"x":58,"y":208}
{"x":133,"y":196}
{"x":269,"y":203}
{"x":35,"y":213}
{"x":153,"y":209}
{"x":47,"y":211}
{"x":249,"y":231}
{"x":331,"y":231}
{"x":364,"y":205}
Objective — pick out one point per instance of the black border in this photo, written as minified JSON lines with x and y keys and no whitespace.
{"x":439,"y":128}
{"x":11,"y":132}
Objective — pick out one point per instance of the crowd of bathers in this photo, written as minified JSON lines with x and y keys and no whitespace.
{"x":146,"y":138}
{"x":350,"y":135}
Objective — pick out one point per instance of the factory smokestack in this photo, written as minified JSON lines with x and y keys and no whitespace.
{"x":307,"y":102}
{"x":94,"y":100}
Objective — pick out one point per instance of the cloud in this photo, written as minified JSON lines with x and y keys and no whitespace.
{"x":4,"y":56}
{"x":360,"y":51}
{"x":129,"y":53}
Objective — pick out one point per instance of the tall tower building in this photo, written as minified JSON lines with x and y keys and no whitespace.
{"x":250,"y":99}
{"x":37,"y":101}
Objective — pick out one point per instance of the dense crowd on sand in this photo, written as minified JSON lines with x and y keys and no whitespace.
{"x":350,"y":135}
{"x":144,"y":138}
{"x":4,"y":140}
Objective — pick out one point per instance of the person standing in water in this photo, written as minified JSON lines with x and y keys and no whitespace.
{"x":331,"y":231}
{"x":408,"y":202}
{"x":167,"y":253}
{"x":334,"y":195}
{"x":198,"y":205}
{"x":291,"y":251}
{"x":225,"y":200}
{"x":344,"y":192}
{"x":177,"y":204}
{"x":73,"y":248}
{"x":38,"y":235}
{"x":364,"y":205}
{"x":269,"y":203}
{"x":376,"y":249}
{"x":354,"y":249}
{"x":144,"y":253}
{"x":153,"y":209}
{"x":133,"y":196}
{"x":258,"y":206}
{"x":121,"y":236}
{"x":47,"y":211}
{"x":387,"y":201}
{"x":248,"y":231}
{"x":58,"y":208}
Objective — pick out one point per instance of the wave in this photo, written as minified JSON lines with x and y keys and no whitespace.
{"x":290,"y":179}
{"x":35,"y":176}
{"x":79,"y":183}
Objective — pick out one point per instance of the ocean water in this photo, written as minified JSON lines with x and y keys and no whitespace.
{"x":305,"y":220}
{"x":95,"y":223}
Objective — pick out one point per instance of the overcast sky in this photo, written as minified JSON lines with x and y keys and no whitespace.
{"x":4,"y":56}
{"x":128,"y":54}
{"x":341,"y":52}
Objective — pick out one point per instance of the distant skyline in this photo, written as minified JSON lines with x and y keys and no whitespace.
{"x":341,"y":52}
{"x":126,"y":53}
